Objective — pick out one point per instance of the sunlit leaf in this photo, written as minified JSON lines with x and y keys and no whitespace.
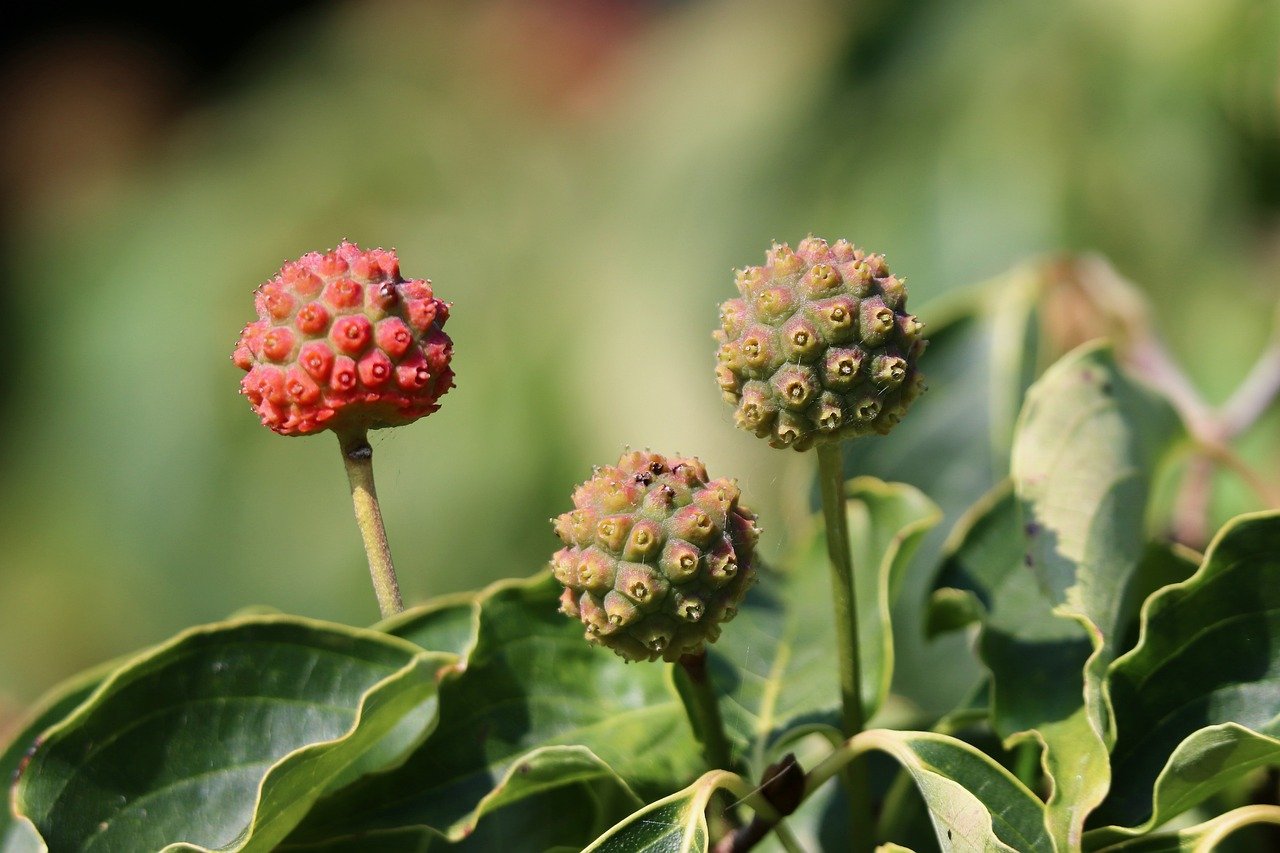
{"x":583,"y":794}
{"x":1057,"y":564}
{"x":985,"y":349}
{"x":974,"y":803}
{"x":446,"y":624}
{"x":674,"y":824}
{"x":677,"y":823}
{"x":223,"y":737}
{"x":1202,"y":838}
{"x":530,"y":696}
{"x":1089,"y":443}
{"x":1206,"y":762}
{"x":1196,"y":701}
{"x":776,"y":661}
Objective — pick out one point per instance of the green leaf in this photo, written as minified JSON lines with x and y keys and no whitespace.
{"x":904,"y":815}
{"x":1206,"y":762}
{"x":18,"y":835}
{"x":984,"y":351}
{"x":1058,"y":566}
{"x":21,"y":837}
{"x":554,"y":767}
{"x":974,"y":803}
{"x":1209,"y":657}
{"x":529,"y":682}
{"x":1036,"y":659}
{"x":677,"y":823}
{"x":1020,"y":625}
{"x":674,"y":823}
{"x":221,"y":738}
{"x":570,"y":782}
{"x":445,"y":624}
{"x":1203,"y":838}
{"x":1088,"y":446}
{"x":986,"y":564}
{"x":886,"y":524}
{"x":1163,"y":563}
{"x":775,"y":663}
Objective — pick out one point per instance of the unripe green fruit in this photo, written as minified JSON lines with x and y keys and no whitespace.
{"x":656,"y":556}
{"x":818,"y":346}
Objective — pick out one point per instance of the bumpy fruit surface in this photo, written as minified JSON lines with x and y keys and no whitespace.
{"x":657,"y":556}
{"x":818,"y":347}
{"x":343,"y":342}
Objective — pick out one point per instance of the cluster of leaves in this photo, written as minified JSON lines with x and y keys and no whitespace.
{"x":1126,"y":681}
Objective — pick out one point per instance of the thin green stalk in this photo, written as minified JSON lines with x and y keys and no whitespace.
{"x":693,"y":683}
{"x":831,"y":478}
{"x":357,"y":457}
{"x":1026,"y":764}
{"x":895,"y":814}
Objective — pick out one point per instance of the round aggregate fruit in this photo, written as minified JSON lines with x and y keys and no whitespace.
{"x":656,"y":556}
{"x":818,"y":347}
{"x":343,"y":342}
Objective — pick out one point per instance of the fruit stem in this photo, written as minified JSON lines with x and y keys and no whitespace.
{"x":357,"y":456}
{"x":854,"y":774}
{"x":693,"y":683}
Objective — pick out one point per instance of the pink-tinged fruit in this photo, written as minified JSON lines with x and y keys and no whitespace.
{"x":656,"y":556}
{"x":342,"y":342}
{"x":818,"y":347}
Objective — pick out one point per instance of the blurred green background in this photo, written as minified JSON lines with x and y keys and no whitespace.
{"x":578,"y":178}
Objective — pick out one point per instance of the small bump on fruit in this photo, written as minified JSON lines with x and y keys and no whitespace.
{"x":652,"y":547}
